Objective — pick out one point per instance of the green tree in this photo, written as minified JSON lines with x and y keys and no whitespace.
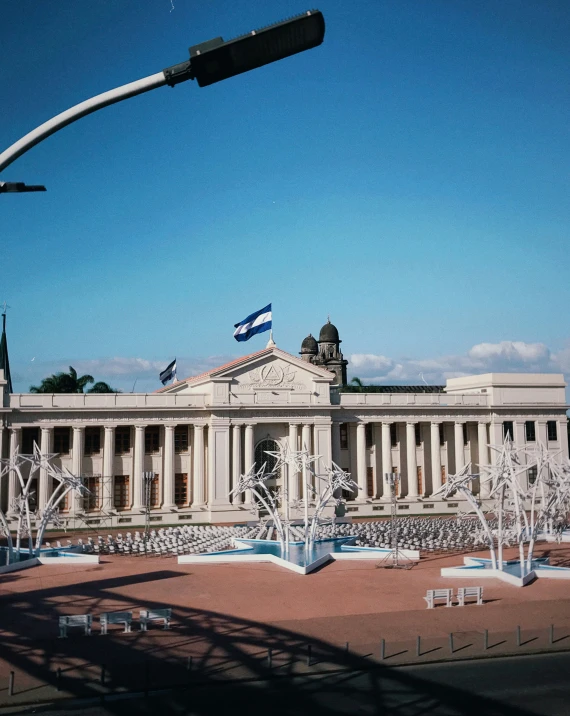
{"x":70,"y":383}
{"x":357,"y":383}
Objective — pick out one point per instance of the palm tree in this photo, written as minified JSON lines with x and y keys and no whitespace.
{"x":102,"y":387}
{"x":357,"y":383}
{"x":70,"y":383}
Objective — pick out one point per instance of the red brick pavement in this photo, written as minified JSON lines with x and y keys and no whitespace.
{"x":226,"y":616}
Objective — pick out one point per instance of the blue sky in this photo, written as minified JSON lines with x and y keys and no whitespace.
{"x":409,"y":177}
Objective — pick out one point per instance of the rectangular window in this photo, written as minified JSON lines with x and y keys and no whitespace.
{"x":92,"y":501}
{"x":551,"y":430}
{"x":465,"y":436}
{"x":92,"y":441}
{"x":370,"y":481}
{"x":181,"y":489}
{"x":441,"y":435}
{"x":152,"y":439}
{"x":61,"y":441}
{"x":122,"y":440}
{"x":152,"y":491}
{"x":368,"y":435}
{"x":417,"y":428}
{"x":393,"y":435}
{"x":29,"y":437}
{"x":121,"y":492}
{"x":181,"y":438}
{"x":344,"y":436}
{"x":508,"y":430}
{"x":529,"y":431}
{"x":531,"y":473}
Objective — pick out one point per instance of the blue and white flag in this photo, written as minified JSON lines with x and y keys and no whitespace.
{"x":255,"y":323}
{"x":168,"y":373}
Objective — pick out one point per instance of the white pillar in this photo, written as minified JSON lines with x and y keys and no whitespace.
{"x":236,"y":461}
{"x":336,"y":443}
{"x":483,"y":452}
{"x":138,"y":467}
{"x":14,"y":487}
{"x":435,"y":458}
{"x":294,"y":476}
{"x":411,"y":460}
{"x":107,"y":478}
{"x":77,"y":465}
{"x":168,"y":468}
{"x":219,"y":462}
{"x":459,"y":449}
{"x":44,"y":480}
{"x":306,"y":445}
{"x":541,"y":433}
{"x":386,"y":459}
{"x":562,"y":435}
{"x":248,"y":457}
{"x":361,"y":462}
{"x":198,"y":478}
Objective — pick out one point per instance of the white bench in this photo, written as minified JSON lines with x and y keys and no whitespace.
{"x":107,"y":618}
{"x":78,"y":620}
{"x":154,"y":615}
{"x":434,"y":595}
{"x":464,"y":593}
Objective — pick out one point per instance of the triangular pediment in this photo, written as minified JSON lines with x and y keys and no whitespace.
{"x":270,"y":368}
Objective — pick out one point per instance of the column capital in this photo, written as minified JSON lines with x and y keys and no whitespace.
{"x":437,"y":421}
{"x":109,"y":428}
{"x":360,"y":426}
{"x":387,"y":422}
{"x":483,"y":421}
{"x":171,"y":428}
{"x":139,"y":427}
{"x":198,"y":426}
{"x":460,"y":422}
{"x":78,"y":427}
{"x":413,"y":423}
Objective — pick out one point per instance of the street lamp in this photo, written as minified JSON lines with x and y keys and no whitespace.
{"x":209,"y":62}
{"x":17,"y":187}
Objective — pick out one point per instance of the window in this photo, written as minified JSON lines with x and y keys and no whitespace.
{"x":441,"y":435}
{"x":393,"y":435}
{"x":152,"y":439}
{"x":530,"y":431}
{"x":508,"y":429}
{"x":443,"y":475}
{"x":368,"y":434}
{"x":181,"y":438}
{"x":92,"y":501}
{"x":92,"y":441}
{"x":551,"y":430}
{"x":61,"y":441}
{"x":420,"y":480}
{"x":370,"y":481}
{"x":122,"y":440}
{"x":181,"y":489}
{"x":465,"y":436}
{"x":29,"y":437}
{"x":121,"y":492}
{"x":417,"y":428}
{"x":531,"y":473}
{"x":344,"y":436}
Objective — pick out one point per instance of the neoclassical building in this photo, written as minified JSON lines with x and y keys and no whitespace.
{"x":192,"y":439}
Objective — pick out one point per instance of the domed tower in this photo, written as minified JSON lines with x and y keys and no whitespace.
{"x":309,"y":348}
{"x":329,"y":354}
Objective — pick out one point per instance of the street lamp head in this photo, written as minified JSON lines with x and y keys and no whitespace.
{"x":216,"y":60}
{"x":18,"y":187}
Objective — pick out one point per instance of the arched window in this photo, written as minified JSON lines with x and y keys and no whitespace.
{"x":262,"y":457}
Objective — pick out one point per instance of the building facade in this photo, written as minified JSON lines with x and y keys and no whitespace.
{"x":195,"y":437}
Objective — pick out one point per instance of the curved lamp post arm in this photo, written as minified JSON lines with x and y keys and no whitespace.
{"x":79,"y":110}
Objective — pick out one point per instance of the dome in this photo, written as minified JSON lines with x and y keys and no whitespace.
{"x":309,"y":345}
{"x":329,"y":333}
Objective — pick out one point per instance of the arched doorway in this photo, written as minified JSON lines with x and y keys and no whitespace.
{"x":270,"y":461}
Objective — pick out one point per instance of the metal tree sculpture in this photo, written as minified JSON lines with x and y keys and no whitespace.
{"x":295,"y":461}
{"x":20,"y":506}
{"x":517,"y":523}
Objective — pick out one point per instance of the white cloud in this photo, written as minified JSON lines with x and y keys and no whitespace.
{"x":506,"y":356}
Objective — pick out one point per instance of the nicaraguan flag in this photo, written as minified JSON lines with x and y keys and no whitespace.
{"x":168,"y":373}
{"x":256,"y":323}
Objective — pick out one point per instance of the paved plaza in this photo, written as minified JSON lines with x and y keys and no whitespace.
{"x":226,"y":617}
